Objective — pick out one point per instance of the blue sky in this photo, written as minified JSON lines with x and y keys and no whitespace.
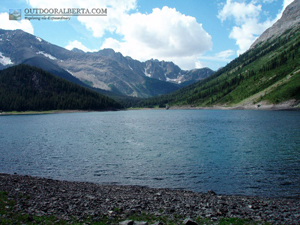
{"x":191,"y":33}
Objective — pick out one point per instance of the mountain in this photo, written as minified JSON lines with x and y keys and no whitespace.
{"x":268,"y":73}
{"x":24,"y":88}
{"x":290,"y":18}
{"x":105,"y":69}
{"x":51,"y":67}
{"x":160,"y":70}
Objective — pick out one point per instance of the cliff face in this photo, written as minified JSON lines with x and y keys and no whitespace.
{"x":290,"y":19}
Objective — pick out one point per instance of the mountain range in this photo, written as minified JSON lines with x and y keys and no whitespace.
{"x":104,"y":70}
{"x":268,"y":73}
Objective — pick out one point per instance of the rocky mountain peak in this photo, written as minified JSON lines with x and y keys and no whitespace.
{"x":289,"y":19}
{"x":105,"y":69}
{"x":77,"y":50}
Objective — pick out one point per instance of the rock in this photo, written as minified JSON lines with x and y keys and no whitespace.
{"x":126,"y":222}
{"x":82,"y":200}
{"x":211,"y":192}
{"x":140,"y":223}
{"x":189,"y":221}
{"x":158,"y":223}
{"x":290,"y":18}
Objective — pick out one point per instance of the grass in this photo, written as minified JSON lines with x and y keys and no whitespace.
{"x":9,"y":216}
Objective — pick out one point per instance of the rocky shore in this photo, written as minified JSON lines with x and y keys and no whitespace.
{"x":40,"y":196}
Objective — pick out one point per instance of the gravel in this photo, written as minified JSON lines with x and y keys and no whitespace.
{"x":41,"y":196}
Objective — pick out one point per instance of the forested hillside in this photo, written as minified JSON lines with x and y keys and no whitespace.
{"x":24,"y":87}
{"x":270,"y":71}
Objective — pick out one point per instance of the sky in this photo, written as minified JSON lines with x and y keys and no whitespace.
{"x":191,"y":33}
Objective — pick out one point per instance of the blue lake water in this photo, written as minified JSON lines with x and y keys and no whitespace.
{"x":230,"y":152}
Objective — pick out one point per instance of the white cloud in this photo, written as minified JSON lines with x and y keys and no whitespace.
{"x":268,"y":1}
{"x":7,"y":24}
{"x":165,"y":34}
{"x":247,"y":19}
{"x":246,"y":34}
{"x":284,"y":5}
{"x":116,"y":9}
{"x":241,"y":12}
{"x":79,"y":45}
{"x":225,"y":54}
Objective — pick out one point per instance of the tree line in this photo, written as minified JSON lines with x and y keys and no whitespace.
{"x":24,"y":87}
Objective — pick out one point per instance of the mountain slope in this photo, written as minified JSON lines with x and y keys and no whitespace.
{"x":290,"y":18}
{"x":268,"y":72}
{"x":24,"y":87}
{"x":104,"y":69}
{"x":51,"y":67}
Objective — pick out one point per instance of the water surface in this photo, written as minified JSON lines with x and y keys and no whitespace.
{"x":231,"y":152}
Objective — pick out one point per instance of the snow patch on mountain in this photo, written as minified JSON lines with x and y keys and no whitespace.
{"x":5,"y":60}
{"x":47,"y":55}
{"x":40,"y":40}
{"x":147,"y":74}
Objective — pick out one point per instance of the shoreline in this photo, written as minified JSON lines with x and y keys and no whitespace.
{"x":41,"y":196}
{"x":291,"y":105}
{"x":48,"y":112}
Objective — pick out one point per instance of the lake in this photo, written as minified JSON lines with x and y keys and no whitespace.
{"x":244,"y":152}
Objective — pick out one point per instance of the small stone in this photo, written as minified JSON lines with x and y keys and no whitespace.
{"x":189,"y":221}
{"x":126,"y":222}
{"x":211,"y":192}
{"x":140,"y":223}
{"x":158,"y":223}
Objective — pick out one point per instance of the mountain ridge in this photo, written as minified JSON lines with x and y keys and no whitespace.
{"x":290,"y":18}
{"x":106,"y":69}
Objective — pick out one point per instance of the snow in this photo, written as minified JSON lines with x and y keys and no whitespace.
{"x":5,"y":60}
{"x":39,"y":39}
{"x":130,"y":67}
{"x":177,"y":80}
{"x":47,"y":55}
{"x":147,"y":74}
{"x":70,"y":72}
{"x":173,"y":80}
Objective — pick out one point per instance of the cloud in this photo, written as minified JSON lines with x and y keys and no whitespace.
{"x":79,"y":45}
{"x":164,"y":34}
{"x":246,"y":18}
{"x":116,"y":9}
{"x":241,"y":12}
{"x":246,"y":34}
{"x":225,"y":54}
{"x":7,"y":24}
{"x":247,"y":21}
{"x":284,"y":5}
